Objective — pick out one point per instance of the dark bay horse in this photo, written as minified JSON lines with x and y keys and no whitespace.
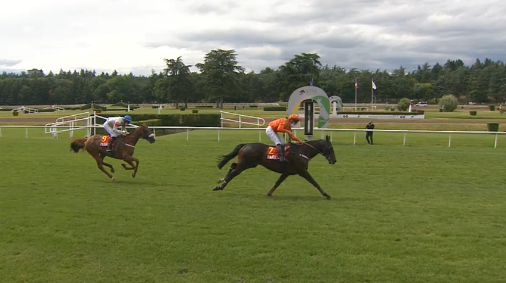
{"x":124,"y":150}
{"x":250,"y":155}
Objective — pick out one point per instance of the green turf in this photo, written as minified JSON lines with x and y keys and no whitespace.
{"x":421,"y":213}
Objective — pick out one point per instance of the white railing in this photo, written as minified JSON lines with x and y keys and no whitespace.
{"x":70,"y":124}
{"x":322,"y":131}
{"x":238,"y":118}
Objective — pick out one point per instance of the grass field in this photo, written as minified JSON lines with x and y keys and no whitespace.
{"x":421,"y":213}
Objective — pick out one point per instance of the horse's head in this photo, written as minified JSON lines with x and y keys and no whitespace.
{"x":146,"y":133}
{"x":327,"y":150}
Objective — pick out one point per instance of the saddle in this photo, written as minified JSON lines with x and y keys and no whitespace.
{"x":272,"y":151}
{"x":104,"y":141}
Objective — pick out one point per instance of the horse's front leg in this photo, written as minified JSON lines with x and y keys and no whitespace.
{"x":107,"y":164}
{"x":278,"y":182}
{"x":305,"y":174}
{"x":100,"y":165}
{"x":130,"y":159}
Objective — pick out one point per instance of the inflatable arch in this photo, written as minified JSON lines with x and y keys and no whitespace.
{"x":316,"y":94}
{"x":337,"y":104}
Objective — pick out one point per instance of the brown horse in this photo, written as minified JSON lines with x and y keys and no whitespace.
{"x":252,"y":154}
{"x":124,"y":148}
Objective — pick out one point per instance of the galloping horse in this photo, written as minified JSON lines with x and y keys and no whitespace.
{"x":298,"y":155}
{"x":96,"y":146}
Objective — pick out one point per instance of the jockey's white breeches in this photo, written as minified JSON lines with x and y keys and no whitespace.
{"x":112,"y":131}
{"x":273,"y":136}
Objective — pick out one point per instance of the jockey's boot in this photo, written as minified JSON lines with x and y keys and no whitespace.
{"x":281,"y":152}
{"x":109,"y":146}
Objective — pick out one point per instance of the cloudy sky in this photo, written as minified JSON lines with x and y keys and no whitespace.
{"x":134,"y":35}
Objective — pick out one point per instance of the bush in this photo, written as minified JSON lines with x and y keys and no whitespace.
{"x":15,"y":113}
{"x":182,"y":108}
{"x":253,"y":106}
{"x":275,"y":108}
{"x":204,"y":106}
{"x":195,"y":111}
{"x":491,"y":107}
{"x":440,"y":110}
{"x":448,"y":103}
{"x":493,"y":127}
{"x":472,"y":113}
{"x":420,"y":111}
{"x":403,"y":104}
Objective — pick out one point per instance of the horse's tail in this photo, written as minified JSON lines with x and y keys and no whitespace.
{"x":226,"y":158}
{"x":77,"y":144}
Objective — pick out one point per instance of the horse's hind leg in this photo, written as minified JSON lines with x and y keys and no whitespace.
{"x":232,"y":168}
{"x":305,"y":174}
{"x":233,"y":172}
{"x":278,"y":182}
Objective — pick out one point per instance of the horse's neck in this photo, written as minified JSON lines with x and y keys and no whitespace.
{"x":133,"y":137}
{"x":310,"y":149}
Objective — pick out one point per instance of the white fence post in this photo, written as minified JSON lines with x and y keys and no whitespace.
{"x":404,"y":143}
{"x":354,"y":138}
{"x":450,"y":141}
{"x":495,"y":142}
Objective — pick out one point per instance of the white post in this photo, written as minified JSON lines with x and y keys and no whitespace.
{"x":404,"y":143}
{"x":450,"y":141}
{"x":218,"y":135}
{"x":331,"y":134}
{"x":495,"y":143}
{"x":187,"y":134}
{"x":259,"y":136}
{"x":71,"y":132}
{"x":0,"y":132}
{"x":240,"y":121}
{"x":154,"y":132}
{"x":354,"y":138}
{"x":88,"y":126}
{"x":26,"y":132}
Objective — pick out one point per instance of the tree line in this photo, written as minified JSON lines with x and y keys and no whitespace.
{"x":221,"y":79}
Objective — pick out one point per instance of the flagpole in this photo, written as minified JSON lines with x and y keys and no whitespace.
{"x":355,"y":95}
{"x":372,"y":96}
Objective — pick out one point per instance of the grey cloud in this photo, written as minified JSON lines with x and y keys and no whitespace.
{"x":9,"y":63}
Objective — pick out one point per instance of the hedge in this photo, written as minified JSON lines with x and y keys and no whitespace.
{"x":472,"y":113}
{"x":275,"y":108}
{"x":203,"y":106}
{"x":151,"y":122}
{"x":191,"y":120}
{"x":493,"y":127}
{"x":378,"y":113}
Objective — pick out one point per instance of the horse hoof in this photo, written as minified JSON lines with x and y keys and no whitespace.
{"x":221,"y":180}
{"x":328,"y":197}
{"x":216,"y":189}
{"x":112,"y":170}
{"x":133,"y":175}
{"x":269,"y":195}
{"x":112,"y":178}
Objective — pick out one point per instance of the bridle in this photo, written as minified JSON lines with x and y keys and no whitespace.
{"x":319,"y":151}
